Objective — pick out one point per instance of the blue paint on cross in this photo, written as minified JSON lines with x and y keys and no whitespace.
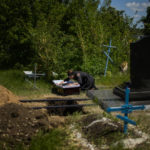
{"x":107,"y":55}
{"x":126,"y":109}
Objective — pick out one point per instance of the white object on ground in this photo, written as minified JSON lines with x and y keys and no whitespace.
{"x":80,"y":140}
{"x":103,"y":120}
{"x":131,"y":143}
{"x":57,"y":82}
{"x":28,"y":72}
{"x":54,"y":73}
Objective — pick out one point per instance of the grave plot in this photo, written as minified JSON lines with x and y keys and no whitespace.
{"x":106,"y":98}
{"x":109,"y":130}
{"x":105,"y":132}
{"x":126,"y":109}
{"x":60,"y":106}
{"x":139,"y":72}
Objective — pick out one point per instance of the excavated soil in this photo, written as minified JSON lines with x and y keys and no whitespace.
{"x":7,"y":96}
{"x":19,"y":124}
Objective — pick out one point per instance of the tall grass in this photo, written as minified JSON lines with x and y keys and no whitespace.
{"x":15,"y":81}
{"x":56,"y":139}
{"x":113,"y":79}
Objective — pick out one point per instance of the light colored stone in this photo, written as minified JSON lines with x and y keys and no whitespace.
{"x":104,"y":147}
{"x":103,"y":120}
{"x":131,"y":143}
{"x":80,"y":140}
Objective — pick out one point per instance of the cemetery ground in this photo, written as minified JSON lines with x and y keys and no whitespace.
{"x":89,"y":128}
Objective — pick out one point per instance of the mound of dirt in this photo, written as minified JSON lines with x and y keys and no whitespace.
{"x":97,"y":126}
{"x":19,"y":124}
{"x":7,"y":96}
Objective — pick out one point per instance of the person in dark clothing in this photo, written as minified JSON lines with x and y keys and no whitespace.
{"x":85,"y":80}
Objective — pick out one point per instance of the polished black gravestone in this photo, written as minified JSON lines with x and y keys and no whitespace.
{"x":139,"y":71}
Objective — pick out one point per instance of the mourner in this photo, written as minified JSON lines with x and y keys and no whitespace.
{"x":86,"y":81}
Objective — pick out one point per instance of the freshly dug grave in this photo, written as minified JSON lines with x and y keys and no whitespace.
{"x":20,"y":124}
{"x":7,"y":96}
{"x":63,"y":111}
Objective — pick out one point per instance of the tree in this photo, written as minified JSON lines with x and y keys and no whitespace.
{"x":16,"y":23}
{"x":62,"y":34}
{"x":146,"y":21}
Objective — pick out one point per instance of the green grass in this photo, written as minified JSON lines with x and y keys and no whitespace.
{"x":113,"y":80}
{"x":56,"y":139}
{"x":14,"y":80}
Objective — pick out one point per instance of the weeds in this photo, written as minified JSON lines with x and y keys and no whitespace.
{"x":15,"y":81}
{"x":113,"y":80}
{"x":56,"y":139}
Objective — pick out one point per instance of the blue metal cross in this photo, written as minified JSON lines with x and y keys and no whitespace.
{"x":126,"y":109}
{"x":107,"y":54}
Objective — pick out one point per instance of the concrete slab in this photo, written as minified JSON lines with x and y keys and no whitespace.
{"x":106,"y":99}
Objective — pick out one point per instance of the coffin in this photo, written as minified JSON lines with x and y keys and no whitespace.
{"x":66,"y":88}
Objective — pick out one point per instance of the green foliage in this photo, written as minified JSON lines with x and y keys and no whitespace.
{"x":113,"y":80}
{"x":56,"y":139}
{"x":146,"y":21}
{"x":59,"y":35}
{"x":21,"y":87}
{"x":16,"y":46}
{"x":51,"y":141}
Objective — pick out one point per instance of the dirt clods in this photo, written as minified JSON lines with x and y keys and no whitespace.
{"x":19,"y":124}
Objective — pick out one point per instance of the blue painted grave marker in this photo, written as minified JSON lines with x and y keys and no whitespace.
{"x":107,"y":55}
{"x":126,"y":109}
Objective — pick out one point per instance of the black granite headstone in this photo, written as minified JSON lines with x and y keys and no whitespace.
{"x":139,"y":71}
{"x":140,"y":64}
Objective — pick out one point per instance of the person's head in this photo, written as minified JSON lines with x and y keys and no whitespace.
{"x":70,"y":74}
